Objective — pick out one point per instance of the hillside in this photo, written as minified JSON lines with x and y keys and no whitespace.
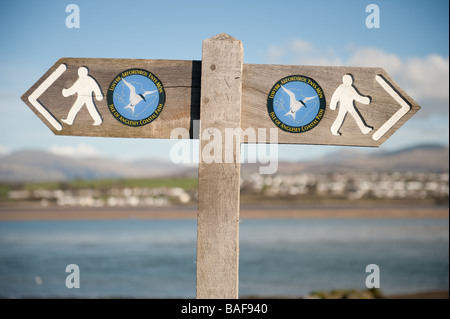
{"x":35,"y":166}
{"x":31,"y":165}
{"x":423,"y":158}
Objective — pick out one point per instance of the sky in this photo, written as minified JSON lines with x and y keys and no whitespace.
{"x":411,"y":44}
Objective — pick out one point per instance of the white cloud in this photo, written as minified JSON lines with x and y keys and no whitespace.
{"x":275,"y":54}
{"x":425,"y":79}
{"x":429,"y":76}
{"x":302,"y":52}
{"x":375,"y":58}
{"x":80,"y":150}
{"x":301,"y":46}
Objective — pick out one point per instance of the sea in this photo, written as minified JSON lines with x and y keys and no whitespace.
{"x":278,"y":258}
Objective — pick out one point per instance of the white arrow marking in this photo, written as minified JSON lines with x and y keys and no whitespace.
{"x":33,"y":98}
{"x":405,"y":107}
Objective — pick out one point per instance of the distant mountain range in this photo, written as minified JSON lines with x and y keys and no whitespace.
{"x":34,"y":165}
{"x":424,"y":158}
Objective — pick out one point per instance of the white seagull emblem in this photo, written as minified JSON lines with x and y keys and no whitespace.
{"x":294,"y":104}
{"x":135,"y":99}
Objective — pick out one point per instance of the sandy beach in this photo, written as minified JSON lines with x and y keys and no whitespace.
{"x":33,"y":212}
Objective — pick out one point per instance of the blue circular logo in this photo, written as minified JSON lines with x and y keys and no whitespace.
{"x":296,"y":104}
{"x":136,"y":97}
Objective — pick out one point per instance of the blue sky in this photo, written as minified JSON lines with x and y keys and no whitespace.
{"x":411,"y":44}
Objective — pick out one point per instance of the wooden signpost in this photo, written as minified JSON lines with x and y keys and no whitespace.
{"x":151,"y":98}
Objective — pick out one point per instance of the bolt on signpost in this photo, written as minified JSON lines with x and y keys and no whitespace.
{"x":132,"y":98}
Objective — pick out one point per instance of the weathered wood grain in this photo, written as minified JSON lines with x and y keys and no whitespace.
{"x":218,"y":189}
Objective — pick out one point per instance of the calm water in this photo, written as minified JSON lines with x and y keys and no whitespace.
{"x":156,"y":258}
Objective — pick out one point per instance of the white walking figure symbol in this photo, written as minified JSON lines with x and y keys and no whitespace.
{"x":346,"y":95}
{"x":84,"y":87}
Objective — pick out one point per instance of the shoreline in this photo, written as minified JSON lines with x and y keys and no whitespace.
{"x":32,"y":212}
{"x":421,"y":295}
{"x":438,"y":294}
{"x":434,"y":294}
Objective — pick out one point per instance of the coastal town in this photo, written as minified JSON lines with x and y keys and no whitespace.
{"x":300,"y":186}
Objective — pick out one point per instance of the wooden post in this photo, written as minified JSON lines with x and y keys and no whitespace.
{"x":219,"y":181}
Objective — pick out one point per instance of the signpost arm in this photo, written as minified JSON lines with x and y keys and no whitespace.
{"x":219,"y":175}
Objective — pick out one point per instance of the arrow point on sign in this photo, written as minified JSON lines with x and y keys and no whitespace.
{"x":33,"y":97}
{"x":405,"y":107}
